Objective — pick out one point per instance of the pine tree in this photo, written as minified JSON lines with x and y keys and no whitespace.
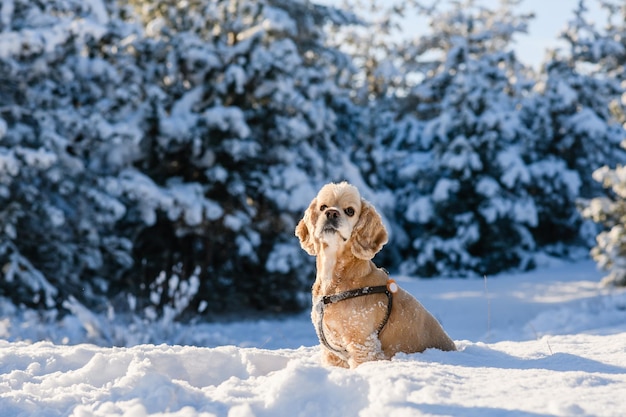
{"x":373,"y":39}
{"x":461,"y":180}
{"x":155,"y":152}
{"x":57,"y":219}
{"x":243,"y":119}
{"x":574,"y":131}
{"x":582,"y":85}
{"x":605,"y":52}
{"x":610,"y":250}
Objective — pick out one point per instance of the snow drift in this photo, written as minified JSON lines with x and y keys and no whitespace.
{"x":550,"y":343}
{"x":581,"y":376}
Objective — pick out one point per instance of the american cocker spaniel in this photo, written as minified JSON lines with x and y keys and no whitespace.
{"x":359,"y":313}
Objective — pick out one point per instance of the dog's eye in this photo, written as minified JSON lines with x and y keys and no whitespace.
{"x":323,"y":207}
{"x":349,"y":211}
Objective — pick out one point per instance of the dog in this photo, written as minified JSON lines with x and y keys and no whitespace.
{"x":359,"y":313}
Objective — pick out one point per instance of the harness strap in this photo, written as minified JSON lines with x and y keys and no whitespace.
{"x":388,"y":289}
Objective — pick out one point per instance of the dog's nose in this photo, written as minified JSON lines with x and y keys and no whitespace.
{"x":332,"y":213}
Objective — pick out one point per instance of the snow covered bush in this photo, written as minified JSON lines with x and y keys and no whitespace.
{"x":486,"y":159}
{"x":610,"y":251}
{"x":584,"y":85}
{"x":57,"y":220}
{"x":240,"y":129}
{"x":144,"y":143}
{"x":570,"y":119}
{"x":604,"y":52}
{"x":574,"y":127}
{"x":456,"y":167}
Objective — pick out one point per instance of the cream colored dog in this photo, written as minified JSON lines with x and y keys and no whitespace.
{"x":359,"y":314}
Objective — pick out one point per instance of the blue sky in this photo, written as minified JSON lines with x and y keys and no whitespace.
{"x":551,"y":16}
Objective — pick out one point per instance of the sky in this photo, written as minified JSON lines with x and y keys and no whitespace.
{"x":551,"y":17}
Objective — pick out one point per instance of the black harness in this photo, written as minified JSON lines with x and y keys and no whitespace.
{"x":322,"y":302}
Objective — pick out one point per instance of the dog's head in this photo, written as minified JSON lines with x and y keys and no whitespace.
{"x":339,"y":216}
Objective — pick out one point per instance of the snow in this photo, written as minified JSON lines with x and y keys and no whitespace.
{"x":420,"y":211}
{"x":615,"y":177}
{"x":552,"y":168}
{"x":9,"y":165}
{"x":587,"y":122}
{"x":513,"y":168}
{"x":444,"y":189}
{"x":550,"y":342}
{"x":461,"y":157}
{"x":99,"y":11}
{"x":282,"y":258}
{"x":227,"y":119}
{"x":6,"y":12}
{"x":278,"y":20}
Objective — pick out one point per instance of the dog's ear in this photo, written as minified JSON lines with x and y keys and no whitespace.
{"x":304,"y":230}
{"x":369,"y":234}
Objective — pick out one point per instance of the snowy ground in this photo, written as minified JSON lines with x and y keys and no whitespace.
{"x":547,"y":343}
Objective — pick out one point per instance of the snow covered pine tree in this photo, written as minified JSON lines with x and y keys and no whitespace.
{"x":145,"y":145}
{"x":240,"y":125}
{"x":58,"y":236}
{"x":605,"y":51}
{"x":610,"y":251}
{"x":461,"y":180}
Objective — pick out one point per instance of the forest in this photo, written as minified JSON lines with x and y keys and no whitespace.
{"x":155,"y":157}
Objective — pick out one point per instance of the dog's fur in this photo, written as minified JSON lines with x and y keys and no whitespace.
{"x":344,"y":232}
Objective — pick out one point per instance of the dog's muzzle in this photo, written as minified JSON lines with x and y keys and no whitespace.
{"x":331,"y":226}
{"x":332,"y":223}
